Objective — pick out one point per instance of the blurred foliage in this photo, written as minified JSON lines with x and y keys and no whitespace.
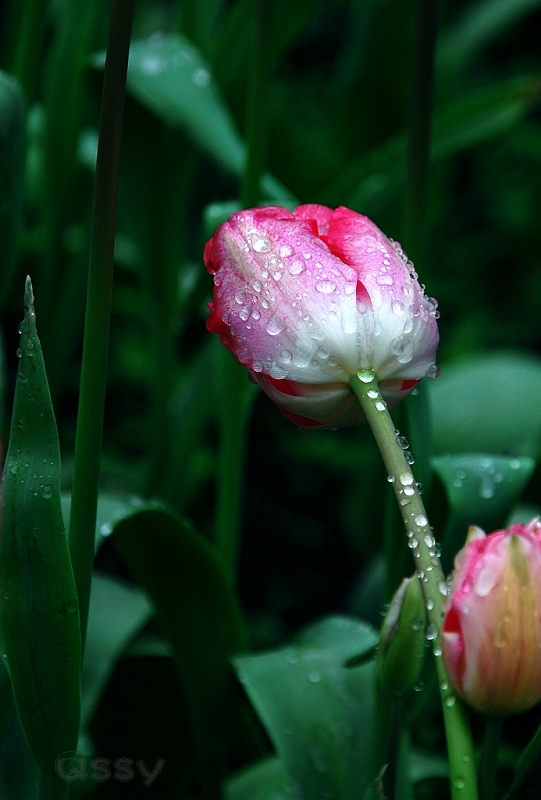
{"x":311,"y":519}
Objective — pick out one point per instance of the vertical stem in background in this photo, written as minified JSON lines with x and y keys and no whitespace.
{"x":24,"y":40}
{"x":233,"y":396}
{"x":422,"y":543}
{"x":489,"y":757}
{"x":418,"y":163}
{"x":98,"y":308}
{"x":257,"y":110}
{"x":236,"y":403}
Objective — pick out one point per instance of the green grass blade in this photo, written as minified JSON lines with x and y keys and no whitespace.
{"x":38,"y":601}
{"x":12,"y":147}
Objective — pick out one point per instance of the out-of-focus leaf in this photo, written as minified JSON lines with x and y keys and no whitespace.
{"x":479,"y":25}
{"x":459,"y":124}
{"x":266,"y":780}
{"x":117,"y":612}
{"x":528,"y":758}
{"x":481,"y":490}
{"x":489,"y":404}
{"x":12,"y":149}
{"x":169,"y":76}
{"x":199,"y":615}
{"x":38,"y":600}
{"x":318,"y":713}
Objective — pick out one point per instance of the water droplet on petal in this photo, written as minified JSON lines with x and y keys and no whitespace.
{"x":261,"y":245}
{"x":275,"y":326}
{"x":325,"y":287}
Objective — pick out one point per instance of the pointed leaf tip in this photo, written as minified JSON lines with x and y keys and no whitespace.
{"x":28,"y":296}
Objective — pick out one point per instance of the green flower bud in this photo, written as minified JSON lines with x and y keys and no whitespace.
{"x":402,"y":640}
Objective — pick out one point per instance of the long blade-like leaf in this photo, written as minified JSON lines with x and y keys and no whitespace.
{"x":38,"y":601}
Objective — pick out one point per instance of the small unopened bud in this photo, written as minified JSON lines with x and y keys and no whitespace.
{"x":491,"y":634}
{"x":402,"y":639}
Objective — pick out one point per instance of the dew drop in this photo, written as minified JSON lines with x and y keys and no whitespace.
{"x":410,"y":458}
{"x":314,"y":677}
{"x":325,"y":287}
{"x":46,"y":490}
{"x":381,"y":405}
{"x":365,"y":375}
{"x":201,"y":77}
{"x":372,"y":394}
{"x":390,"y":478}
{"x":261,"y":245}
{"x":406,"y":479}
{"x":286,"y":356}
{"x":275,"y":326}
{"x":257,"y":366}
{"x":296,"y":267}
{"x":431,"y":632}
{"x":22,"y":377}
{"x":421,"y":520}
{"x":433,"y":371}
{"x":397,"y":307}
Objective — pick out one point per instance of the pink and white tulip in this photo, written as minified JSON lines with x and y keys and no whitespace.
{"x":307,"y":298}
{"x":491,"y":634}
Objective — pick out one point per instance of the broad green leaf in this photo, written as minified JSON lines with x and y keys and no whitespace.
{"x":266,"y":780}
{"x":198,"y":614}
{"x":318,"y":713}
{"x":38,"y":601}
{"x":461,"y":123}
{"x":481,"y":490}
{"x":169,"y":76}
{"x":489,"y":404}
{"x":117,"y":612}
{"x":12,"y":150}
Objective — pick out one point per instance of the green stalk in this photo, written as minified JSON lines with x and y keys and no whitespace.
{"x":257,"y":123}
{"x":418,"y":161}
{"x":24,"y":40}
{"x":89,"y":432}
{"x":433,"y":584}
{"x":489,"y":757}
{"x":235,"y":401}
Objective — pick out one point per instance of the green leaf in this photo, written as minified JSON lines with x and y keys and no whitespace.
{"x":266,"y":780}
{"x":38,"y":601}
{"x":459,"y":124}
{"x":318,"y":713}
{"x":117,"y":612}
{"x":199,"y":616}
{"x":12,"y":151}
{"x":489,"y":404}
{"x":481,"y":490}
{"x":169,"y":76}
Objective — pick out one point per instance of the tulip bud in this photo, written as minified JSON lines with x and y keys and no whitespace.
{"x":402,"y":640}
{"x":491,"y":634}
{"x":305,"y":299}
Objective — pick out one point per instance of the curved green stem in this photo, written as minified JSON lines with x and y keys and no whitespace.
{"x":489,"y":757}
{"x":423,"y":546}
